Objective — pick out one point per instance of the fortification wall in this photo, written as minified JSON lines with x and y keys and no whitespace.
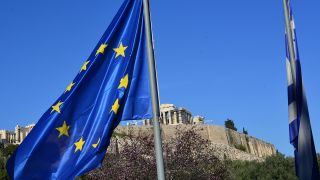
{"x":228,"y":143}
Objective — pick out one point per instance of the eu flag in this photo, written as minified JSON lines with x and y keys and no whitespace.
{"x":72,"y":136}
{"x":299,"y":122}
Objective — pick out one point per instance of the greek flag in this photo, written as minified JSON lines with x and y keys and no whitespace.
{"x":299,"y":122}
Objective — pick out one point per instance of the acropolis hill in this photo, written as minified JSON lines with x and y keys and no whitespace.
{"x":226,"y":142}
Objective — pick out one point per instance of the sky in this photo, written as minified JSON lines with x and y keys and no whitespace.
{"x":218,"y":59}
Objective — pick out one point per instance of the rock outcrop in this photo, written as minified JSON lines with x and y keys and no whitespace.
{"x":226,"y":142}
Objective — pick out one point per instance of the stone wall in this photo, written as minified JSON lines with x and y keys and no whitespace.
{"x":251,"y":144}
{"x":223,"y":151}
{"x":227,"y":143}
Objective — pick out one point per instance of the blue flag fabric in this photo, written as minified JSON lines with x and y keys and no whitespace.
{"x":299,"y":122}
{"x":72,"y":136}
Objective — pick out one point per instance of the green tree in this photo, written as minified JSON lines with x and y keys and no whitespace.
{"x":244,"y":131}
{"x":230,"y":124}
{"x":9,"y":150}
{"x":5,"y":153}
{"x":3,"y":173}
{"x":274,"y":167}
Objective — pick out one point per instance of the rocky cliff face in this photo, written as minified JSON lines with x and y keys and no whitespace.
{"x":249,"y":144}
{"x":226,"y":142}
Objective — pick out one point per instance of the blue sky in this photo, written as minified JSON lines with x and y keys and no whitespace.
{"x":219,"y":59}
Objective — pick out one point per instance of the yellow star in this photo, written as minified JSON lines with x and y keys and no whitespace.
{"x":63,"y":130}
{"x":120,"y":50}
{"x":84,"y":67}
{"x":69,"y":87}
{"x":96,"y":145}
{"x":101,"y":49}
{"x":57,"y":107}
{"x":124,"y":82}
{"x":79,"y":145}
{"x":115,"y":106}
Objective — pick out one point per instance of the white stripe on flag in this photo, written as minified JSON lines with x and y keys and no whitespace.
{"x":293,"y":26}
{"x":292,"y":112}
{"x":289,"y":73}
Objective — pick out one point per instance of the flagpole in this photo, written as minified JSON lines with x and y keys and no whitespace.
{"x":290,"y":41}
{"x":154,"y":91}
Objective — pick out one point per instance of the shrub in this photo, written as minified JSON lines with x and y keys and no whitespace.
{"x":187,"y":156}
{"x":230,"y":124}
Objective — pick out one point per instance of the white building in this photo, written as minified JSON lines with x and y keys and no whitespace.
{"x":22,"y":132}
{"x":172,"y":115}
{"x":198,"y":120}
{"x":17,"y":136}
{"x":7,"y":137}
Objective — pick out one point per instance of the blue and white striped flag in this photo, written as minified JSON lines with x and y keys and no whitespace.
{"x":299,"y":122}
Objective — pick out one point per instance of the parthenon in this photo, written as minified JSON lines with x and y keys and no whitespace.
{"x":172,"y":115}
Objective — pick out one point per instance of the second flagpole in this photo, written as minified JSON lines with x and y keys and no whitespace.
{"x":154,"y":91}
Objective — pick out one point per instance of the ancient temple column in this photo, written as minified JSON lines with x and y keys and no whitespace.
{"x":179,"y":117}
{"x":18,"y":135}
{"x":21,"y":136}
{"x":174,"y":117}
{"x":170,"y":117}
{"x":163,"y":117}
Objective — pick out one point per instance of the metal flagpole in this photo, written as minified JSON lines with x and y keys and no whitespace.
{"x":290,"y":41}
{"x":154,"y":91}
